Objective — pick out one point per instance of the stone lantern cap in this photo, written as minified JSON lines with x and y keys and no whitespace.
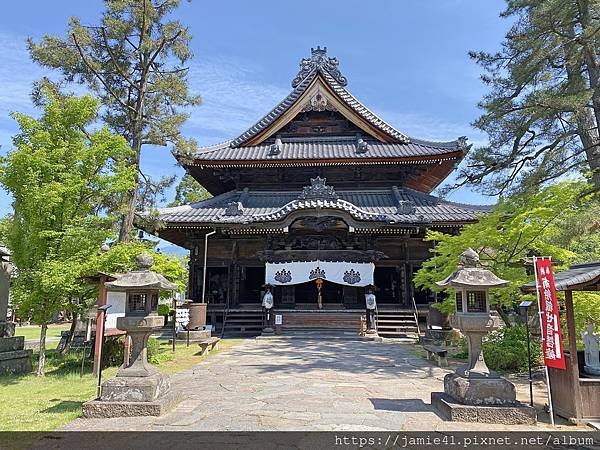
{"x":142,"y":278}
{"x":470,"y":273}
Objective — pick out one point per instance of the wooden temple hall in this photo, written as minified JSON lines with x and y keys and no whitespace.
{"x":319,"y":188}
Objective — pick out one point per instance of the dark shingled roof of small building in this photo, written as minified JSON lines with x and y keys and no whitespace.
{"x":577,"y":277}
{"x":365,"y":205}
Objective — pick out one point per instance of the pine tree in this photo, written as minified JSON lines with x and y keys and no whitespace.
{"x":134,"y":60}
{"x":543,"y":110}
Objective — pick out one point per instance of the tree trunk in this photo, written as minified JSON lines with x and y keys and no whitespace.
{"x":42,"y":360}
{"x":127,"y":224}
{"x":67,"y":346}
{"x":587,"y":128}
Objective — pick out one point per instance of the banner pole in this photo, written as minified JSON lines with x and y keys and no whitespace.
{"x":537,"y":294}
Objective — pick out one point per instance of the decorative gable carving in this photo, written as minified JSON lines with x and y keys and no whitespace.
{"x":318,"y":190}
{"x":319,"y":60}
{"x":319,"y":102}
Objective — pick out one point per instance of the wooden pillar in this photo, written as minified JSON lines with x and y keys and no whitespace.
{"x":194,"y":289}
{"x":99,"y":325}
{"x":407,"y":284}
{"x":573,"y":353}
{"x":398,"y":289}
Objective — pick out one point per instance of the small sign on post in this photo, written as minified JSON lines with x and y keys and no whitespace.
{"x":278,"y":322}
{"x":182,"y":317}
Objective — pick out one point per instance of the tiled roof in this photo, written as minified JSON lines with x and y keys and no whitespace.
{"x":320,"y":148}
{"x":577,"y":276}
{"x":346,"y":96}
{"x":368,"y":205}
{"x":324,"y":149}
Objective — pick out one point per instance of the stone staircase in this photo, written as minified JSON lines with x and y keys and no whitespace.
{"x":243,"y":323}
{"x":397,"y":324}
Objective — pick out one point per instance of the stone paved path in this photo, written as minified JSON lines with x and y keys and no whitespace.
{"x":304,"y":385}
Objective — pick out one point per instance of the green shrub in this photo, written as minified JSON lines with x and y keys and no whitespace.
{"x":505,"y":350}
{"x":153,"y":350}
{"x":462,"y":344}
{"x":112,"y":351}
{"x":163,"y":310}
{"x":447,"y":306}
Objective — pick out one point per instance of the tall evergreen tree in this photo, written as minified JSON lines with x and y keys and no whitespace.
{"x":543,"y":110}
{"x":134,"y":60}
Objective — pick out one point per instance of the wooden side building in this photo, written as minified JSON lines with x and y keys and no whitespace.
{"x":319,"y":178}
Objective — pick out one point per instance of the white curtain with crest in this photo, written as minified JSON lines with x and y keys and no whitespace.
{"x":340,"y":272}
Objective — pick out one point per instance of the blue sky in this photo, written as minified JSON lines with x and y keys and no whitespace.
{"x":407,"y":61}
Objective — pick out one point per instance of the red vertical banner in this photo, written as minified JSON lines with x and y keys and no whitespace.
{"x":552,"y":347}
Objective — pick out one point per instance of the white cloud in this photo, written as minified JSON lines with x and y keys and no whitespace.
{"x":233,"y":97}
{"x":17,"y":74}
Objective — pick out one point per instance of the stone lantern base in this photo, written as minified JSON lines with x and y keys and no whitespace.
{"x":483,"y":400}
{"x":138,"y":389}
{"x":133,"y":396}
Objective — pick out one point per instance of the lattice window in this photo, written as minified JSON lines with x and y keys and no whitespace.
{"x":459,"y":302}
{"x":476,"y":301}
{"x":136,"y":303}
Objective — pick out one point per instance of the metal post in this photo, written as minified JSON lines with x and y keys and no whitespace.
{"x":174,"y":321}
{"x":537,"y":293}
{"x":82,"y":359}
{"x":529,"y":356}
{"x":204,"y":267}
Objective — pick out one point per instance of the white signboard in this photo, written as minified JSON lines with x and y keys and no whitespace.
{"x":182,"y":317}
{"x":278,"y":319}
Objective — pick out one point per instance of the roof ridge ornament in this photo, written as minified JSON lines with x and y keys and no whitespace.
{"x":318,"y":189}
{"x":319,"y":61}
{"x":361,"y":144}
{"x":406,"y":207}
{"x":233,"y":209}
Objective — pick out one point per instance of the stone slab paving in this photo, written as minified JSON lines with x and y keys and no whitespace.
{"x":307,"y":385}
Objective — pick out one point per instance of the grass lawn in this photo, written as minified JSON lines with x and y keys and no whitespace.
{"x":32,"y":332}
{"x":47,"y":403}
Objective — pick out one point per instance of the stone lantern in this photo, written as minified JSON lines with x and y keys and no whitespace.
{"x":138,"y":389}
{"x":474,"y":393}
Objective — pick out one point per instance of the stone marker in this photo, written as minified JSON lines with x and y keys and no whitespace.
{"x":138,"y":389}
{"x":14,"y":359}
{"x":475,"y":393}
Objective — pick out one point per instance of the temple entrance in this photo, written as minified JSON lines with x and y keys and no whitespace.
{"x":331,"y":294}
{"x":253,"y":279}
{"x":387,"y":285}
{"x":217,"y":285}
